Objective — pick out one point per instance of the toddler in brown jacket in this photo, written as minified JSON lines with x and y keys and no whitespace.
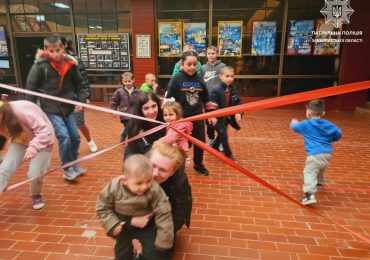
{"x":135,"y":194}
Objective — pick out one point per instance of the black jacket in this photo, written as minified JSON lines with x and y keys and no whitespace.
{"x":189,"y":91}
{"x":82,"y":69}
{"x":178,"y":190}
{"x":45,"y":79}
{"x":217,"y":95}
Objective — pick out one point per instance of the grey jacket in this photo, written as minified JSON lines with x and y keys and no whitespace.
{"x":210,"y":74}
{"x":116,"y":200}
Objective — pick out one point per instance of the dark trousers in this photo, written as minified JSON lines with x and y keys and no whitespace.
{"x":198,"y":133}
{"x":124,"y":131}
{"x":2,"y":142}
{"x":146,"y":236}
{"x":210,"y":131}
{"x":222,"y":137}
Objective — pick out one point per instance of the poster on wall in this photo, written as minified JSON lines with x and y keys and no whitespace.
{"x":105,"y":51}
{"x":229,"y":40}
{"x":325,"y":42}
{"x":4,"y":54}
{"x":300,"y":37}
{"x":196,"y":35}
{"x":263,"y":38}
{"x":170,"y":40}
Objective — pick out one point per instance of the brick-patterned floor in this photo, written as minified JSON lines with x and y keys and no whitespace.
{"x":233,"y":217}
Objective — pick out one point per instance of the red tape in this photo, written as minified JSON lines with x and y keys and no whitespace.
{"x":262,"y":182}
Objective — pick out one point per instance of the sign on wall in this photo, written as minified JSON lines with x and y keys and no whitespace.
{"x":143,"y":46}
{"x":263,"y":38}
{"x":105,"y":51}
{"x":229,"y":41}
{"x":326,"y":41}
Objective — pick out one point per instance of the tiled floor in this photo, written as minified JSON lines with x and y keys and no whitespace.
{"x":233,"y":216}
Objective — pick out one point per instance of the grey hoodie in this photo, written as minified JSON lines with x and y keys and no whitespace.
{"x":210,"y":73}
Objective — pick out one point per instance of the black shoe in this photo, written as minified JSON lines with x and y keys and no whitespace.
{"x":201,"y":169}
{"x":231,"y":157}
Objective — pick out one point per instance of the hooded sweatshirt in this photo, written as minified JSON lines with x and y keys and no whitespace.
{"x":210,"y":73}
{"x":318,"y":135}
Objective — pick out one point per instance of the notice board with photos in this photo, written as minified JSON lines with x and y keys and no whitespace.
{"x":105,"y":51}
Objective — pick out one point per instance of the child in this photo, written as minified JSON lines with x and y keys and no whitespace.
{"x":178,"y":65}
{"x":57,"y":75}
{"x":80,"y":116}
{"x":210,"y":74}
{"x":135,"y":194}
{"x":172,"y":112}
{"x":225,"y":95}
{"x":124,"y":100}
{"x":318,"y":136}
{"x":150,"y":84}
{"x":32,"y":138}
{"x":188,"y":88}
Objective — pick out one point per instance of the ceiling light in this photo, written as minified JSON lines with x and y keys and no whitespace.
{"x":61,"y":5}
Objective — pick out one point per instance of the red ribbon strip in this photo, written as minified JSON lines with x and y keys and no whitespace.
{"x":281,"y":101}
{"x":225,"y":159}
{"x":87,"y":157}
{"x":76,"y":103}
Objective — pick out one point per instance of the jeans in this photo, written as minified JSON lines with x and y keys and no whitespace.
{"x":222,"y":137}
{"x":66,"y":131}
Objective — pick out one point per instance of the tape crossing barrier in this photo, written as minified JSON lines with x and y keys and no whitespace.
{"x":258,"y":105}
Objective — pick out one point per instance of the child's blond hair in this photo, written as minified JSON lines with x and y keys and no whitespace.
{"x":137,"y":166}
{"x":127,"y":74}
{"x":213,"y":48}
{"x":149,"y":75}
{"x":226,"y":68}
{"x":174,"y":107}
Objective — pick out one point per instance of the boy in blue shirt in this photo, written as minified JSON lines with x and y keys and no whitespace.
{"x":319,"y":134}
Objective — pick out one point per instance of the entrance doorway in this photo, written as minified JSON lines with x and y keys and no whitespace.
{"x":26,"y":50}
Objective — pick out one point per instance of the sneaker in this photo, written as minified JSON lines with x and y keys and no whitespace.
{"x":211,"y":142}
{"x":221,"y":148}
{"x":92,"y":146}
{"x":70,"y":174}
{"x":308,"y":199}
{"x":78,"y":169}
{"x":201,"y":169}
{"x":38,"y":202}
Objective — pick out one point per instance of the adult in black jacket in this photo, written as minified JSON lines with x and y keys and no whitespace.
{"x":168,"y":171}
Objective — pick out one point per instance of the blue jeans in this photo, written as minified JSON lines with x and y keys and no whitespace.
{"x":66,"y":131}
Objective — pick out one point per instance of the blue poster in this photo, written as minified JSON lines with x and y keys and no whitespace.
{"x":196,"y":35}
{"x":4,"y":54}
{"x":300,"y":37}
{"x":230,"y":38}
{"x":170,"y":41}
{"x":263,"y":38}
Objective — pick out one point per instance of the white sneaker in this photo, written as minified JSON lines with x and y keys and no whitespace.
{"x":92,"y":146}
{"x":308,"y":199}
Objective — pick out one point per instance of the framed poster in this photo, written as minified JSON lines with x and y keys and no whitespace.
{"x":263,"y":38}
{"x":325,"y":43}
{"x":196,"y":35}
{"x":170,"y":40}
{"x":4,"y":53}
{"x":104,"y":51}
{"x":229,"y":40}
{"x":300,"y":37}
{"x":143,"y":46}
